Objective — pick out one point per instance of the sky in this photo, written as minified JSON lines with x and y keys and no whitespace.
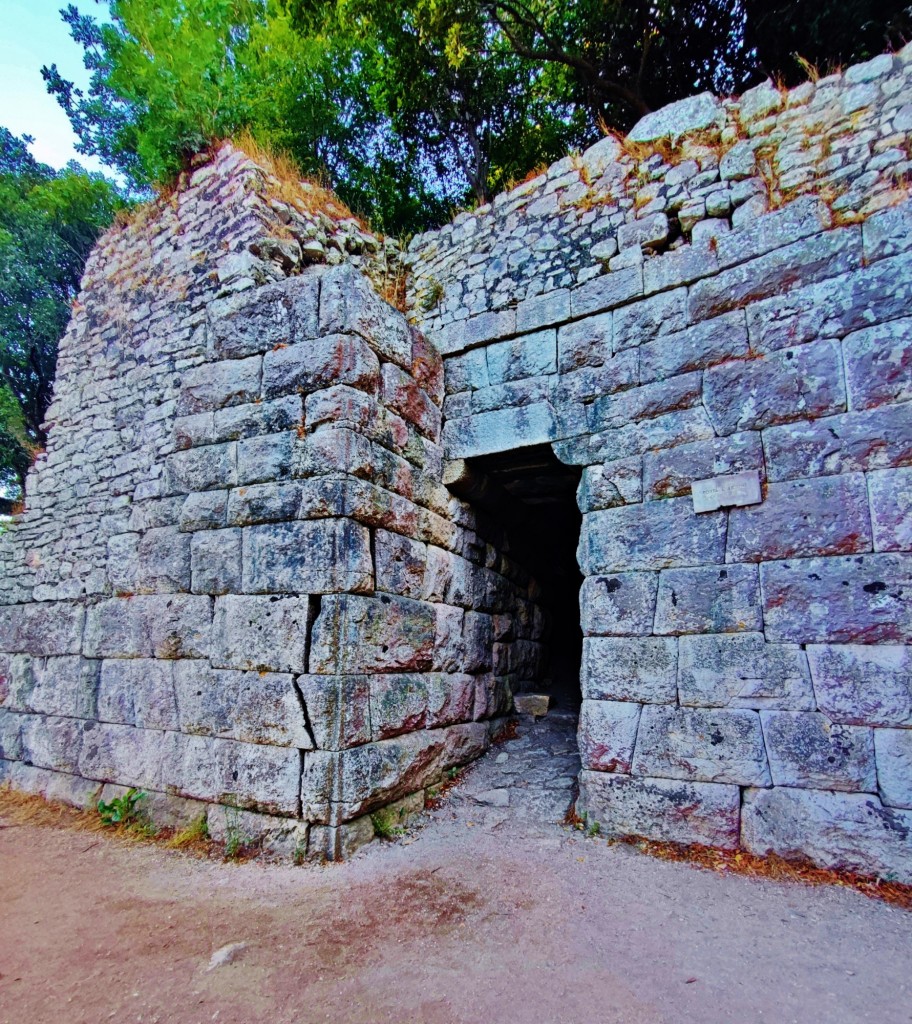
{"x":32,"y":34}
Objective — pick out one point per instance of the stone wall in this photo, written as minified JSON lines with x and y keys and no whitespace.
{"x":240,"y":584}
{"x":670,"y":310}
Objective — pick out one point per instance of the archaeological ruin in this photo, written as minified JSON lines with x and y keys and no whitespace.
{"x":637,"y":434}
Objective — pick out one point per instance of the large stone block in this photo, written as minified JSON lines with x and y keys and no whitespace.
{"x":644,"y":403}
{"x":670,"y":472}
{"x":878,"y":363}
{"x":654,"y":535}
{"x":66,"y":685}
{"x":402,"y":394}
{"x":149,"y":626}
{"x":54,"y":743}
{"x":138,"y":692}
{"x":630,"y":668}
{"x":622,"y":604}
{"x":42,"y":629}
{"x":716,"y":599}
{"x":338,"y":709}
{"x":863,"y":684}
{"x":807,"y":750}
{"x":264,"y":634}
{"x":701,"y":745}
{"x":695,"y":348}
{"x":499,"y":431}
{"x":215,"y":559}
{"x":890,"y":493}
{"x":696,"y":113}
{"x":607,"y":291}
{"x":354,"y":634}
{"x":852,"y":831}
{"x":267,"y":458}
{"x":894,"y":766}
{"x":875,"y":439}
{"x":321,"y":363}
{"x":201,"y":469}
{"x":467,"y":371}
{"x":798,"y":383}
{"x":164,"y":561}
{"x":852,"y":599}
{"x":585,"y":343}
{"x":252,"y":321}
{"x":253,"y":707}
{"x":401,"y":564}
{"x":610,"y":484}
{"x":312,"y":556}
{"x":743,"y":671}
{"x":404,"y":703}
{"x":551,"y":307}
{"x":664,"y":810}
{"x":641,"y":322}
{"x":216,"y":385}
{"x":204,"y":511}
{"x":822,"y":516}
{"x":529,"y":355}
{"x":607,"y":731}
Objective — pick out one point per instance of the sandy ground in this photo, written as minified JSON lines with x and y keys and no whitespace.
{"x":476,"y":917}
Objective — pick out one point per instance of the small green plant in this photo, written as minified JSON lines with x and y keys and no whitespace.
{"x":197,"y":830}
{"x":385,"y":824}
{"x":121,"y":810}
{"x":300,"y":851}
{"x":594,"y":829}
{"x":432,"y":296}
{"x":453,"y":773}
{"x":235,"y":837}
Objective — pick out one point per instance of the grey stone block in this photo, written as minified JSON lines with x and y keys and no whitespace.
{"x":216,"y":385}
{"x":240,"y":421}
{"x":164,"y":561}
{"x":852,"y":599}
{"x":499,"y":431}
{"x":263,"y":503}
{"x":66,"y":685}
{"x":168,"y":626}
{"x":851,"y":831}
{"x":890,"y":493}
{"x":138,"y":692}
{"x":253,"y":322}
{"x":467,"y":371}
{"x":265,"y":459}
{"x":875,"y":439}
{"x":201,"y":469}
{"x":823,"y":516}
{"x":717,"y":599}
{"x":264,"y":634}
{"x":123,"y":562}
{"x":654,"y":535}
{"x":205,"y":511}
{"x":404,"y":703}
{"x":586,"y":382}
{"x":794,"y":384}
{"x":54,"y":743}
{"x":664,"y":810}
{"x":807,"y":750}
{"x":551,"y":307}
{"x":699,"y":745}
{"x":311,"y":556}
{"x":743,"y":671}
{"x":529,"y":355}
{"x":863,"y":684}
{"x":338,"y":709}
{"x":620,"y":605}
{"x":607,"y":731}
{"x":878,"y":362}
{"x":655,"y":317}
{"x":215,"y":558}
{"x":696,"y":113}
{"x":607,"y":291}
{"x":400,"y":564}
{"x":630,"y":668}
{"x":645,"y":232}
{"x":610,"y":484}
{"x":585,"y":343}
{"x":669,"y":472}
{"x":645,"y":403}
{"x":694,"y":348}
{"x":893,"y":748}
{"x":42,"y":629}
{"x":321,"y":363}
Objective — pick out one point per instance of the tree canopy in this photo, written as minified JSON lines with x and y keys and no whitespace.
{"x":49,"y":221}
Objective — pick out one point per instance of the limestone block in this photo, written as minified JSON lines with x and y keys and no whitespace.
{"x":677,"y":267}
{"x":355,"y":634}
{"x":802,"y":218}
{"x":645,"y":403}
{"x":66,"y":685}
{"x":894,"y":766}
{"x":339,"y":842}
{"x":251,"y":322}
{"x":493,"y":696}
{"x":890,"y":492}
{"x":478,"y":643}
{"x":617,"y":372}
{"x":321,"y":363}
{"x":738,"y":162}
{"x":149,"y":626}
{"x":427,"y":367}
{"x":875,"y":439}
{"x":807,"y":750}
{"x":693,"y":348}
{"x":254,"y":707}
{"x":311,"y":556}
{"x":823,"y":516}
{"x":10,"y":735}
{"x":886,"y":232}
{"x":263,"y":503}
{"x":529,"y":355}
{"x":852,"y":599}
{"x":164,"y":561}
{"x":401,"y":564}
{"x":696,"y":113}
{"x":263,"y":634}
{"x":54,"y":743}
{"x":794,"y":384}
{"x":852,"y":831}
{"x":670,"y":472}
{"x":467,"y":371}
{"x":42,"y":629}
{"x":201,"y":469}
{"x":401,"y":393}
{"x":878,"y":362}
{"x":534,"y":704}
{"x":216,"y":385}
{"x":123,"y":562}
{"x":338,"y":709}
{"x":194,"y":431}
{"x":607,"y":731}
{"x":138,"y":692}
{"x":585,"y":343}
{"x":205,"y":511}
{"x":215,"y":557}
{"x":331,"y":449}
{"x":268,"y":458}
{"x":631,"y":668}
{"x":651,"y":318}
{"x":240,"y":421}
{"x":404,"y":703}
{"x":607,"y":291}
{"x":664,"y":810}
{"x":498,"y":431}
{"x":349,"y":305}
{"x":654,"y":535}
{"x":714,"y":599}
{"x":55,"y":787}
{"x":645,"y":232}
{"x":551,"y":307}
{"x":702,"y":745}
{"x":743,"y":671}
{"x":610,"y":484}
{"x":863,"y":684}
{"x":622,"y":604}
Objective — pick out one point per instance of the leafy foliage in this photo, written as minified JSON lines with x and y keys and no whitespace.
{"x":121,"y":810}
{"x":49,"y":221}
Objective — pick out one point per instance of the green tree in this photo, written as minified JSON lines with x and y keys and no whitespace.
{"x":49,"y":221}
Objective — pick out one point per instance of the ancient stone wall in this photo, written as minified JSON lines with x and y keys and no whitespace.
{"x":665,"y":311}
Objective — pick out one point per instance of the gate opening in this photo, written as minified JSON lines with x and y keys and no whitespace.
{"x":532,"y":496}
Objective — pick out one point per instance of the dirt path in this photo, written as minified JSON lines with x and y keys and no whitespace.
{"x":488,"y":913}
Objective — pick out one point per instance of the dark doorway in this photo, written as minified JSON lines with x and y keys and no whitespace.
{"x":533,"y":497}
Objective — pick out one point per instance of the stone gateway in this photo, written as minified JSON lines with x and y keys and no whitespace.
{"x":291,"y":552}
